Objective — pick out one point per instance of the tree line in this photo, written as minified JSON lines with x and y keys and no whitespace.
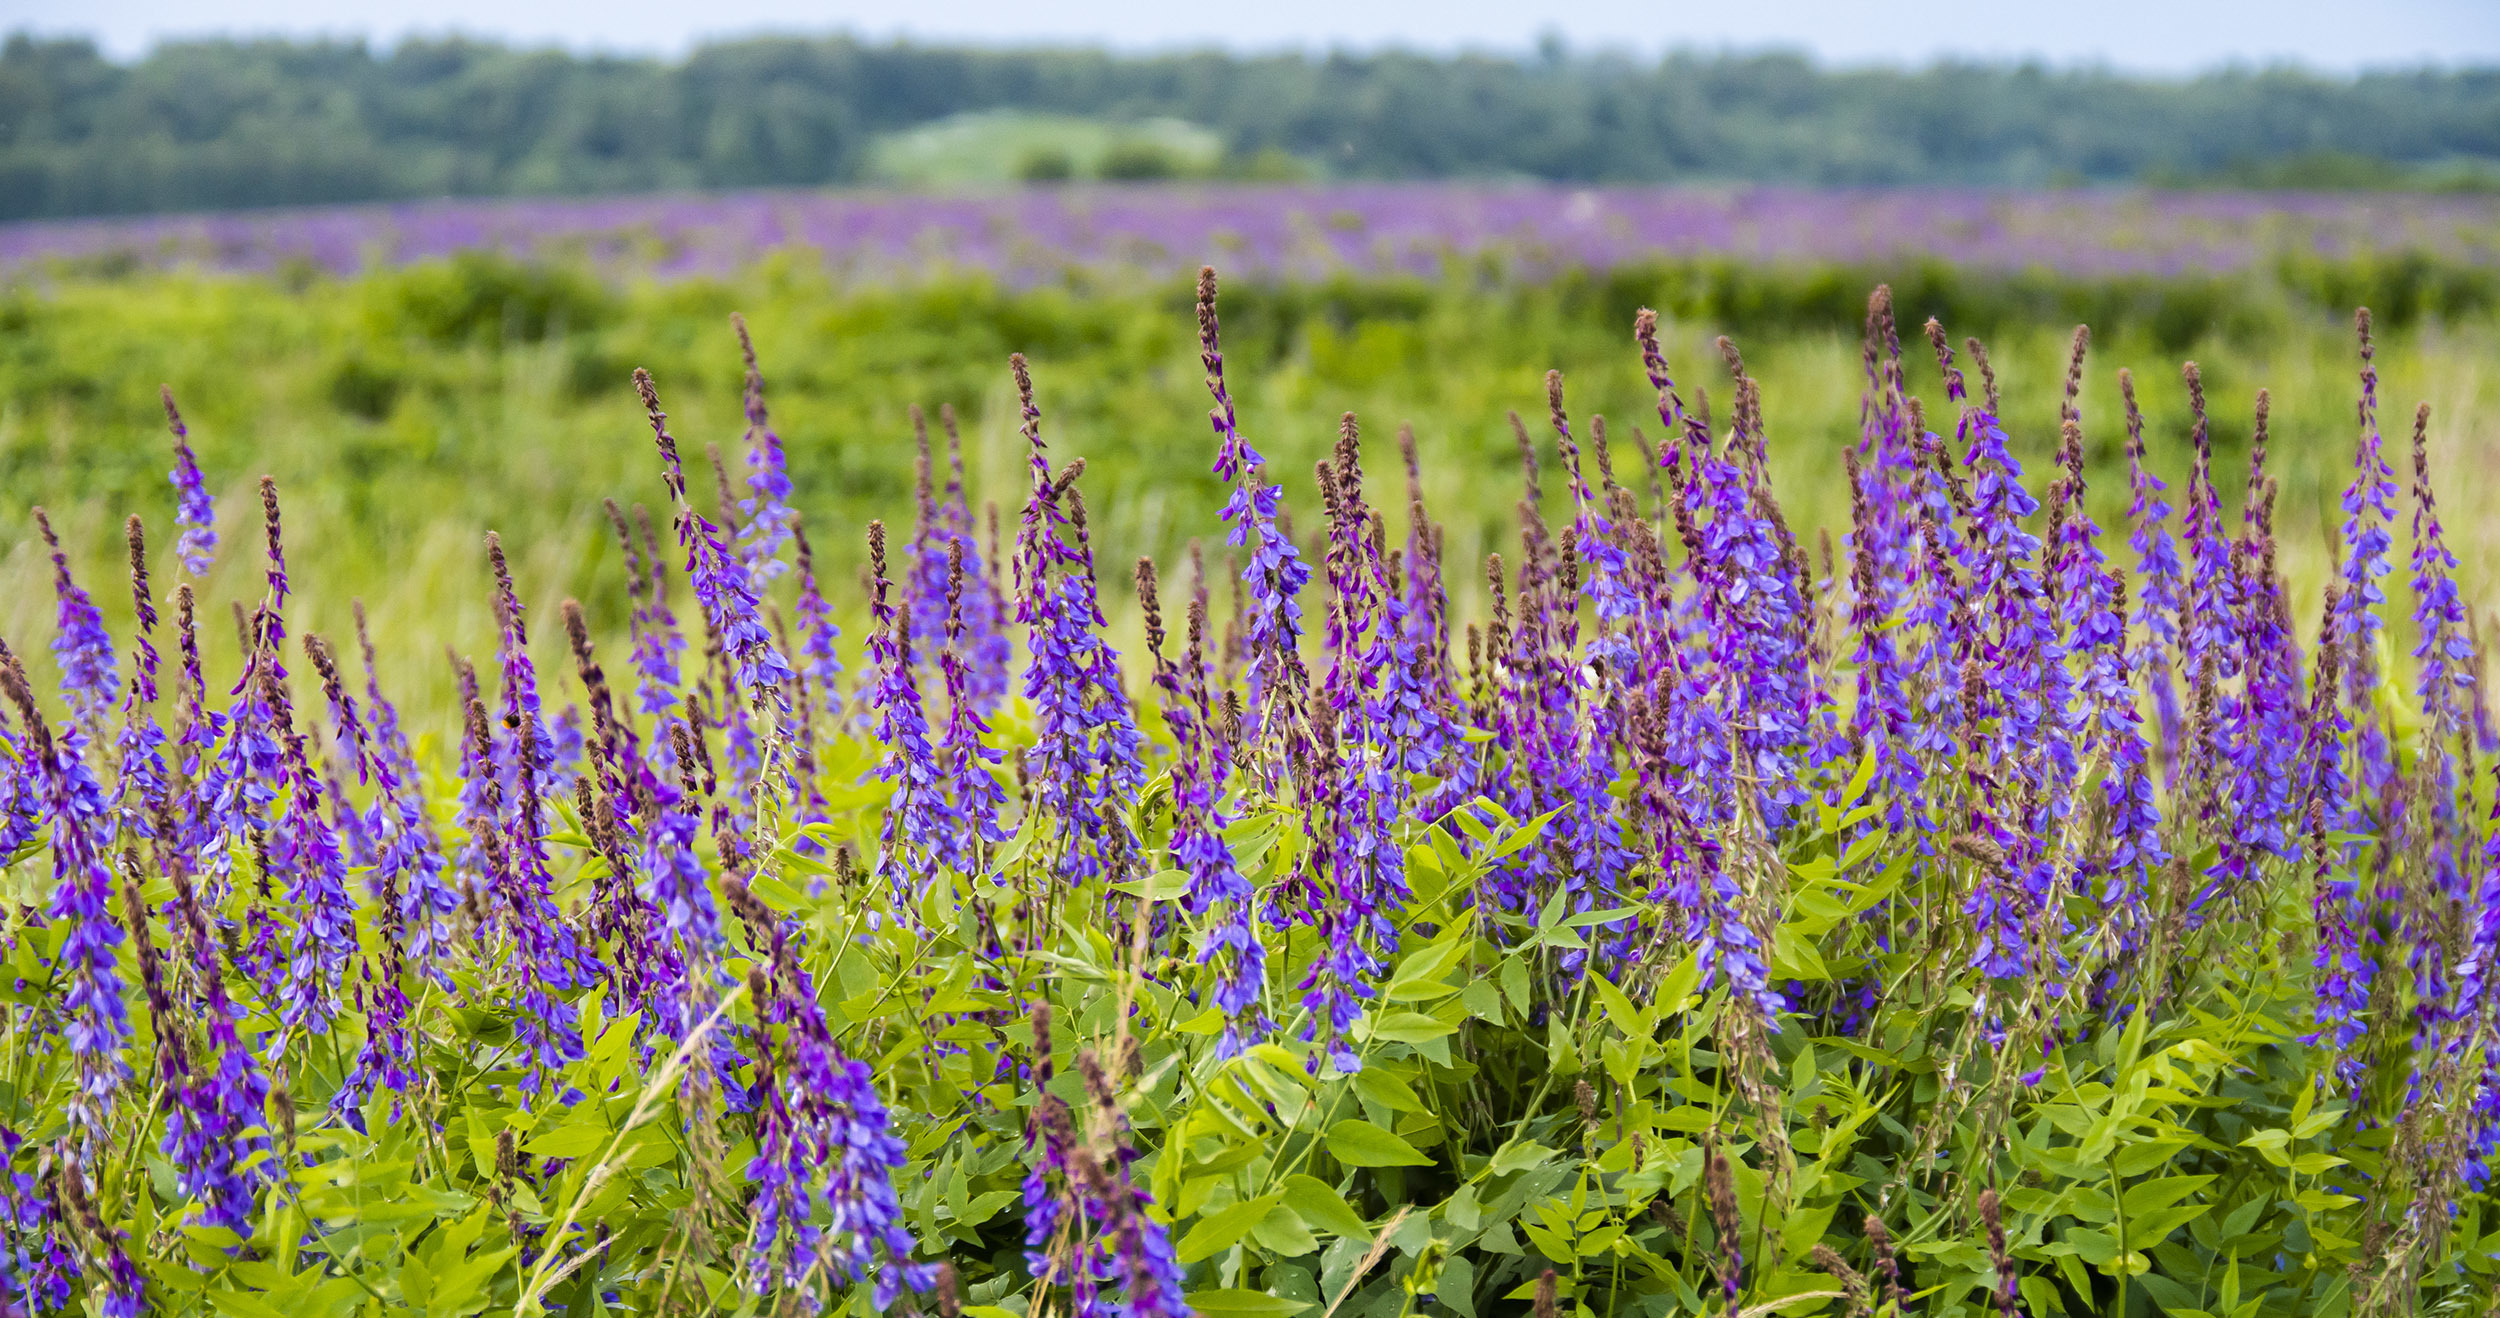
{"x":227,"y":123}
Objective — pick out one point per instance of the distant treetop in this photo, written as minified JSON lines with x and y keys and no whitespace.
{"x":218,"y":124}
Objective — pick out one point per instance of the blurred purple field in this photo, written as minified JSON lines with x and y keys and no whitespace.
{"x":1305,"y":230}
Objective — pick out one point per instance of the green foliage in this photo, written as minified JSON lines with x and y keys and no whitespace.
{"x":1510,"y":1115}
{"x":250,"y":123}
{"x":405,"y":412}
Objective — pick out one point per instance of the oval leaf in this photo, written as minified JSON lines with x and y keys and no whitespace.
{"x":1358,"y":1143}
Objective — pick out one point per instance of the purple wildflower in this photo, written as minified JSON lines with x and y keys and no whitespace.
{"x":1084,"y":759}
{"x":1275,"y":574}
{"x":920,"y":823}
{"x":722,"y":584}
{"x":139,"y":789}
{"x":306,"y":855}
{"x":1219,"y":893}
{"x":96,"y":1027}
{"x":846,"y":1170}
{"x":820,"y":662}
{"x":90,"y":680}
{"x":2157,"y":570}
{"x":196,"y":513}
{"x":769,"y":519}
{"x":964,"y":758}
{"x":2369,"y":511}
{"x":216,"y":1154}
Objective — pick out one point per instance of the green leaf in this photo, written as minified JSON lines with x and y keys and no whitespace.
{"x":1282,"y":1233}
{"x":1359,"y":1143}
{"x":2137,"y":1159}
{"x":1411,"y":1027}
{"x":1218,"y":1232}
{"x":1380,"y":1086}
{"x":1322,"y":1207}
{"x":1518,"y":1157}
{"x":578,"y":1139}
{"x":1160,"y":886}
{"x":1514,"y":977}
{"x":1238,"y":1304}
{"x":2144,"y":1197}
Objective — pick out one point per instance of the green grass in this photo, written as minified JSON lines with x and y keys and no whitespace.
{"x":406,"y":414}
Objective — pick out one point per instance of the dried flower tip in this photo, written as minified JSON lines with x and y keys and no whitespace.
{"x":1149,"y":600}
{"x":1041,"y":1042}
{"x":1545,"y":1305}
{"x":1987,"y":373}
{"x":1830,"y":1261}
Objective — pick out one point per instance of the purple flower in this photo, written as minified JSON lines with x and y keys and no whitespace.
{"x":1749,"y":609}
{"x":964,"y":758}
{"x":1275,"y":574}
{"x":654,"y":629}
{"x":95,"y":1025}
{"x":769,"y":519}
{"x":139,"y":789}
{"x":196,"y":512}
{"x":306,"y":855}
{"x":820,"y":662}
{"x":2157,"y":571}
{"x":921,"y":826}
{"x":90,"y":680}
{"x":722,"y":584}
{"x":548,"y":1032}
{"x":2094,"y":596}
{"x":2344,"y":968}
{"x":34,"y":1263}
{"x":1883,"y":718}
{"x":2211,"y":597}
{"x":1219,"y":894}
{"x":1691,"y":880}
{"x":842,"y":1154}
{"x":2369,"y":510}
{"x":1084,"y":762}
{"x":524,"y":760}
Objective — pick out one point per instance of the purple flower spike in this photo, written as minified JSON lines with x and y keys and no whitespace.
{"x":139,"y":789}
{"x":769,"y":519}
{"x":306,"y":855}
{"x":722,"y":585}
{"x":964,"y":757}
{"x":820,"y":660}
{"x":2369,"y":512}
{"x":1275,"y":573}
{"x":90,"y":680}
{"x":840,"y":1154}
{"x":921,"y":826}
{"x":1218,"y":891}
{"x":96,"y":1026}
{"x":196,"y":513}
{"x":1084,"y":762}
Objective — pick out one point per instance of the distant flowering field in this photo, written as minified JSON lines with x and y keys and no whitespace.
{"x":1982,"y":914}
{"x":1306,"y":230}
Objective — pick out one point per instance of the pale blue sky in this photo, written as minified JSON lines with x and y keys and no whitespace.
{"x":2168,"y":36}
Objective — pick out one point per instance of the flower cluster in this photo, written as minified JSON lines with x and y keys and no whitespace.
{"x":1971,"y":755}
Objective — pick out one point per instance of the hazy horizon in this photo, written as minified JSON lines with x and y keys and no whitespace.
{"x":2147,"y":37}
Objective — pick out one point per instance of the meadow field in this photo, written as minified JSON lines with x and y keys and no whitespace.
{"x":410,"y":409}
{"x":1678,"y":785}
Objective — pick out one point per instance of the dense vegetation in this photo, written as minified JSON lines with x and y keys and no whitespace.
{"x":406,"y":411}
{"x":225,"y":124}
{"x":1998,"y":916}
